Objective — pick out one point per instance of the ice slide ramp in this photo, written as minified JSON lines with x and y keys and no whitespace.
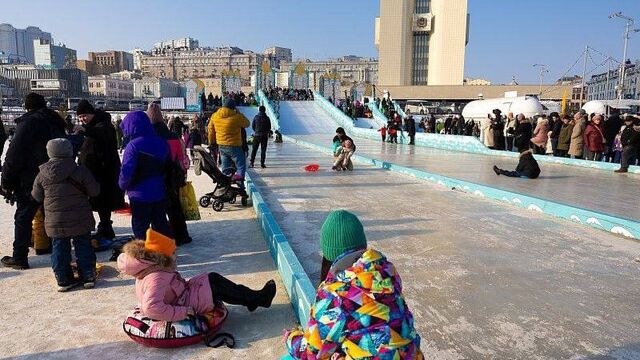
{"x":305,"y":118}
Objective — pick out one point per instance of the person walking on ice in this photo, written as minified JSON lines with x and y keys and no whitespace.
{"x":527,"y":167}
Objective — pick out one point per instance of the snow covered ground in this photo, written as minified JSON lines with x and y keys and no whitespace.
{"x":41,"y":323}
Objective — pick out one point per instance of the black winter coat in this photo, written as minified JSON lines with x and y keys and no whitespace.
{"x":411,"y":126}
{"x":630,"y":137}
{"x":528,"y":165}
{"x":261,"y":125}
{"x":99,"y":153}
{"x":524,"y":133}
{"x":28,"y":149}
{"x":612,"y":128}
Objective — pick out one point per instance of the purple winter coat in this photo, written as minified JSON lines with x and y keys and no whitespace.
{"x":143,"y":164}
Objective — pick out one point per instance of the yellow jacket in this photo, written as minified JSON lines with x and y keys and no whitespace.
{"x":225,"y":127}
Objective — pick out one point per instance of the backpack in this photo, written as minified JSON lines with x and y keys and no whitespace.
{"x":175,"y":175}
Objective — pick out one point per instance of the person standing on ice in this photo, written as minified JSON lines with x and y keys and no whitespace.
{"x":26,"y":152}
{"x":359,"y":311}
{"x":261,"y":128}
{"x":227,"y":124}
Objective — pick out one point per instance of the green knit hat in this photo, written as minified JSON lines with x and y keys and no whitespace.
{"x":340,"y":232}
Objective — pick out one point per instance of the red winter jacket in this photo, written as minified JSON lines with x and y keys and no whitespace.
{"x":594,"y":138}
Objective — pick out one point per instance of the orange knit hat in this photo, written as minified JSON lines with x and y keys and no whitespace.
{"x":157,"y":242}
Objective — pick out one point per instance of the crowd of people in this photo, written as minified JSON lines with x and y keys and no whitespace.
{"x":74,"y":171}
{"x":285,"y":94}
{"x":581,"y":136}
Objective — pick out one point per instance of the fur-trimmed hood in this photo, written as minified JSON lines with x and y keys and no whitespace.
{"x":139,"y":262}
{"x":526,"y":152}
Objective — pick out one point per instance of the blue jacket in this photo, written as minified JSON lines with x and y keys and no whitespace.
{"x":144,"y":161}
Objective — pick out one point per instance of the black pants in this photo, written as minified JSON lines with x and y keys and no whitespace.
{"x":628,"y":156}
{"x":26,"y":209}
{"x":225,"y":290}
{"x":144,"y":214}
{"x":509,"y":143}
{"x":511,"y":173}
{"x":261,"y":141}
{"x":176,"y":217}
{"x":412,"y":139}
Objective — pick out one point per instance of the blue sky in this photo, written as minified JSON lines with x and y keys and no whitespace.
{"x":507,"y":36}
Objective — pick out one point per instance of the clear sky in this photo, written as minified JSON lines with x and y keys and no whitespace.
{"x":507,"y":36}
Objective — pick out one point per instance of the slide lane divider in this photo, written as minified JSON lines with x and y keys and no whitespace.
{"x":614,"y":224}
{"x":296,"y":281}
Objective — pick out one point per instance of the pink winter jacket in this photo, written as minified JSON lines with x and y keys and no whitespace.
{"x":162,"y":293}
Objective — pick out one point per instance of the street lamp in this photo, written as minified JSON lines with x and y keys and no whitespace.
{"x":543,"y":70}
{"x":627,"y":35}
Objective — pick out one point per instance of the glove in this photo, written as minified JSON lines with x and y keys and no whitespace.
{"x":8,"y":195}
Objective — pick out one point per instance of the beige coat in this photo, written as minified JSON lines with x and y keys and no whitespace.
{"x":577,"y":138}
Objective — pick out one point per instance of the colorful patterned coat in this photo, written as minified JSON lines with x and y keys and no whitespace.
{"x":359,"y":313}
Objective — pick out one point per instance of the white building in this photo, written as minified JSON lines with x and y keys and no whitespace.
{"x":185,"y":43}
{"x":152,"y":88}
{"x":349,"y":68}
{"x":53,"y":56}
{"x":107,"y":87}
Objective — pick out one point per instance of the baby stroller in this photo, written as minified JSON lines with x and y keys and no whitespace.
{"x":226,"y":190}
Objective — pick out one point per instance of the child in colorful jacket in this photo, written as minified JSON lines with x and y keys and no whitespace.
{"x":359,"y":310}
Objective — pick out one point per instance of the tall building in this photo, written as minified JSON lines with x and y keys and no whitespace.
{"x":53,"y":56}
{"x":17,"y":44}
{"x":421,"y":42}
{"x":276,"y":55}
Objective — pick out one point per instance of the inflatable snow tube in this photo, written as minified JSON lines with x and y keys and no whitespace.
{"x":174,"y":334}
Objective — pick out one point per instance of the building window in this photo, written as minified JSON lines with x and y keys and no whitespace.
{"x":422,"y":6}
{"x":420,"y":59}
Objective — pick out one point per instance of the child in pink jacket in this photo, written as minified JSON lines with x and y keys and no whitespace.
{"x":165,"y":296}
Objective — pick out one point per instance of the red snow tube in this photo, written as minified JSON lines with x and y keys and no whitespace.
{"x":312,"y":168}
{"x":174,"y":334}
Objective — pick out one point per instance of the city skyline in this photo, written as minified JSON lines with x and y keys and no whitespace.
{"x":335,"y":29}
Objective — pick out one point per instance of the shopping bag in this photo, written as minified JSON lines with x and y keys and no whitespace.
{"x":189,"y":203}
{"x":38,"y":234}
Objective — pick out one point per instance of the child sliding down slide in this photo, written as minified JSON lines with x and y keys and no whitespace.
{"x":527,"y":167}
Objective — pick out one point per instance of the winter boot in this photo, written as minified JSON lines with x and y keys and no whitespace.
{"x":11,"y":262}
{"x":229,"y":292}
{"x":497,"y":170}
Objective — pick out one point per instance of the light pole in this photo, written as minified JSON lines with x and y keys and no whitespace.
{"x":627,"y":34}
{"x":543,"y":70}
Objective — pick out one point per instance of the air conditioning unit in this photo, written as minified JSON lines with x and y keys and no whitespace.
{"x":422,"y":23}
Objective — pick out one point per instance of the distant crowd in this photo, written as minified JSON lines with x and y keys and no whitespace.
{"x":581,"y":136}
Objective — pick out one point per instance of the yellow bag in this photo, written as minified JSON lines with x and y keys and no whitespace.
{"x":189,"y":203}
{"x":38,"y":234}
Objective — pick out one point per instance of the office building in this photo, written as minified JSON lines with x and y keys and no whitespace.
{"x":421,"y":42}
{"x":52,"y":56}
{"x":17,"y":44}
